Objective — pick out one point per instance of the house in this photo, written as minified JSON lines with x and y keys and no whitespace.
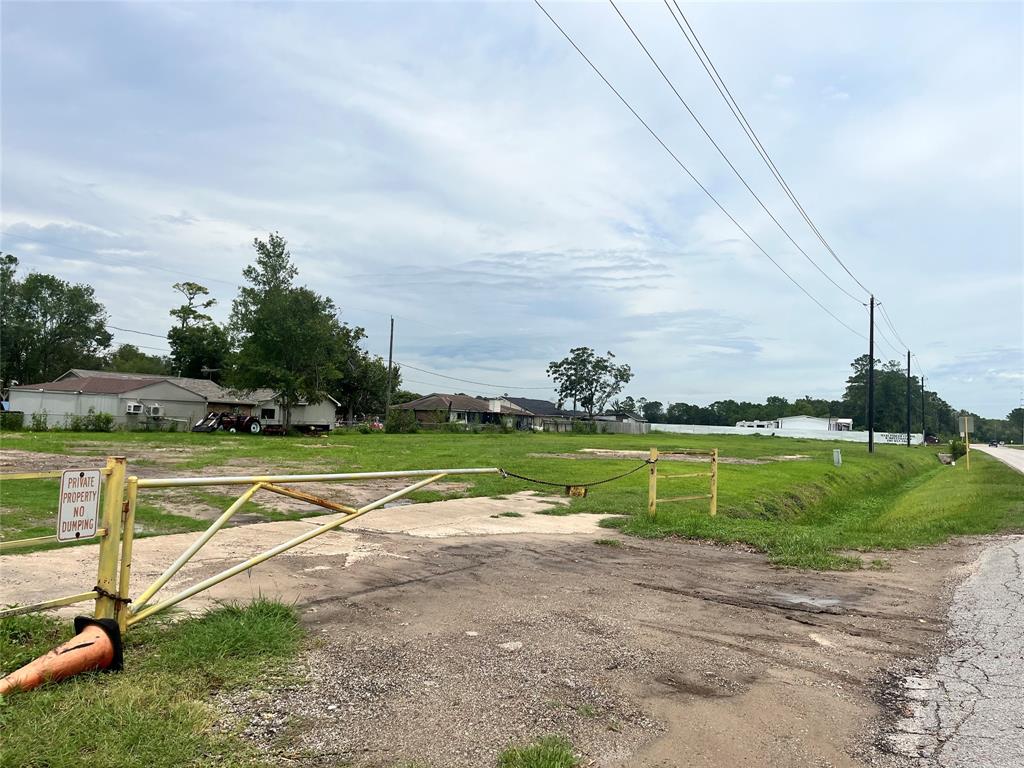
{"x":131,"y":400}
{"x":136,"y":399}
{"x":439,"y":408}
{"x":547,"y":416}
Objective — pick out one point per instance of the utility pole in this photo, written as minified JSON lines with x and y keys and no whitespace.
{"x":871,"y":379}
{"x":908,"y":398}
{"x":391,"y":350}
{"x":924,"y":431}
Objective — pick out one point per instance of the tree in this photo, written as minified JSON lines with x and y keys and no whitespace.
{"x":128,"y":358}
{"x":47,"y":325}
{"x":287,"y":338}
{"x":589,"y":380}
{"x":199,"y":346}
{"x":653,"y":410}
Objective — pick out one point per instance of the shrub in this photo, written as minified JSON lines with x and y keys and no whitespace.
{"x":38,"y":422}
{"x":584,"y":427}
{"x":364,"y":428}
{"x":957,"y":448}
{"x":401,"y":420}
{"x":12,"y":421}
{"x":90,"y":422}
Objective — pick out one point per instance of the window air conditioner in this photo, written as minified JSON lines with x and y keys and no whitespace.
{"x":133,"y":408}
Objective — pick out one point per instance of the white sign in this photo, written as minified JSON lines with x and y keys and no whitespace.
{"x":79,"y":510}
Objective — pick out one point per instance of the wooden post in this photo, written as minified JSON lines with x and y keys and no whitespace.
{"x":714,"y":482}
{"x":652,"y":485}
{"x":967,"y":443}
{"x":110,"y":544}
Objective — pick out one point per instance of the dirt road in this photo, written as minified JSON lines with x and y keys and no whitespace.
{"x":1012,"y":456}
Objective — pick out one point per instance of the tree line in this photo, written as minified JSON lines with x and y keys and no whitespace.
{"x":280,"y":335}
{"x":940,"y":418}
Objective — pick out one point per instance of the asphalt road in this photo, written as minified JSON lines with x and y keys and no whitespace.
{"x":1012,"y":456}
{"x":969,"y":712}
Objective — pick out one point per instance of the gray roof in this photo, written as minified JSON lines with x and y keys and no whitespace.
{"x":211,"y":390}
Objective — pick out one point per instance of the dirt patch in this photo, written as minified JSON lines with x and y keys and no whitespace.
{"x":445,"y":657}
{"x":13,"y":460}
{"x":601,"y":453}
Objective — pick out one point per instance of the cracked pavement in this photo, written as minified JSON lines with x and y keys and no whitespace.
{"x":970,"y":710}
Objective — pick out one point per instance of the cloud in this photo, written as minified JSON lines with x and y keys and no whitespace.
{"x":466,"y":172}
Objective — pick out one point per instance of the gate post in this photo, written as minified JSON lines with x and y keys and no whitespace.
{"x":714,"y":482}
{"x":113,"y":501}
{"x":652,"y":486}
{"x":127,"y":539}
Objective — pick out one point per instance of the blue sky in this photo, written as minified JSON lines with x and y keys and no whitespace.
{"x":459,"y":166}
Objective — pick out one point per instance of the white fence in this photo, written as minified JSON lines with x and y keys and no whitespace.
{"x":895,"y":438}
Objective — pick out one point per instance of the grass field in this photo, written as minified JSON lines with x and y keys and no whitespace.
{"x":802,"y":512}
{"x":159,"y":715}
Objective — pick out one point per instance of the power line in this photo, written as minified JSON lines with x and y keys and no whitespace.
{"x":142,"y":333}
{"x":748,"y":129}
{"x":725,"y":157}
{"x":468,"y":381}
{"x":888,"y":321}
{"x":695,"y":180}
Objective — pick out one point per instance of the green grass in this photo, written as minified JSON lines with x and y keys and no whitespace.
{"x":898,"y":510}
{"x":155,"y":714}
{"x":548,"y":752}
{"x":805,"y":513}
{"x":608,"y":542}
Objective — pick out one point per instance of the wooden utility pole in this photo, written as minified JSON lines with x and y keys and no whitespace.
{"x":908,"y":398}
{"x":391,"y":349}
{"x":871,"y":379}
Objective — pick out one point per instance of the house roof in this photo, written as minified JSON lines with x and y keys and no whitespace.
{"x":538,"y":407}
{"x":443,"y":402}
{"x":94,"y":385}
{"x":115,"y":382}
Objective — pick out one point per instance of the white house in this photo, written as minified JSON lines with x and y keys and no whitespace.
{"x":135,"y":399}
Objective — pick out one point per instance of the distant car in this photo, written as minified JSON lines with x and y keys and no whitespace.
{"x":993,"y":443}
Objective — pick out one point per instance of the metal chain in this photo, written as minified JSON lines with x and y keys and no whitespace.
{"x":506,"y":474}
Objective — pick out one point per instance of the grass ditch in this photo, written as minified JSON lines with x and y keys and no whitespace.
{"x":899,"y":507}
{"x":155,"y":714}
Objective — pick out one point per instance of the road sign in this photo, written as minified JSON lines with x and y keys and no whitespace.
{"x":966,"y":422}
{"x":78,"y":512}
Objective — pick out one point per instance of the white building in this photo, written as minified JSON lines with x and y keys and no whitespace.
{"x":830,"y":424}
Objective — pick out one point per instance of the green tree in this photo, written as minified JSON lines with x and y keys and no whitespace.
{"x":47,"y":325}
{"x":653,"y":410}
{"x":199,"y":346}
{"x":588,"y":379}
{"x":287,"y":338}
{"x":128,"y":358}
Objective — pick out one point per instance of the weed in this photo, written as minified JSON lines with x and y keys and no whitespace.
{"x":547,"y":752}
{"x":608,"y":542}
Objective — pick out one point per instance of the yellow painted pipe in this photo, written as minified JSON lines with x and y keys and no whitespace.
{"x":264,"y":556}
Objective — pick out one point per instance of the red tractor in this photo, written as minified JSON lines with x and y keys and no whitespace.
{"x":229,"y":422}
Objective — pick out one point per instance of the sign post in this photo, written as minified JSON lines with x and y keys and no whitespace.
{"x":78,"y":510}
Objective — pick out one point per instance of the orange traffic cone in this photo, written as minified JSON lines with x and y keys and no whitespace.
{"x":96,"y":645}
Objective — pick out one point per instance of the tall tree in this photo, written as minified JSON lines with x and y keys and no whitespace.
{"x":128,"y":358}
{"x":587,"y":379}
{"x":47,"y":325}
{"x":287,"y":338}
{"x":199,"y":346}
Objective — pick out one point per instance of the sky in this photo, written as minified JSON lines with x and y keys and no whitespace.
{"x":459,"y":166}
